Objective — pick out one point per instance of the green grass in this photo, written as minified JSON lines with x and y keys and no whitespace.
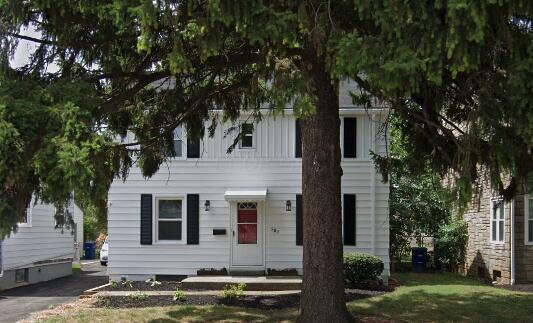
{"x":420,"y":298}
{"x":76,"y":268}
{"x":447,"y":298}
{"x":175,"y":314}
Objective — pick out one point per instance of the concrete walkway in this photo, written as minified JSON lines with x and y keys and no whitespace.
{"x":261,"y":283}
{"x":192,"y":293}
{"x":17,"y":303}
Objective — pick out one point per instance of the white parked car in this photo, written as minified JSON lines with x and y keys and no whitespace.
{"x":104,"y":252}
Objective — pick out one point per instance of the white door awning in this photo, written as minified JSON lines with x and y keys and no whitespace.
{"x":246,"y":195}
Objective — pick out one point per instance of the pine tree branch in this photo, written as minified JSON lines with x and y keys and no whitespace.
{"x":32,"y":39}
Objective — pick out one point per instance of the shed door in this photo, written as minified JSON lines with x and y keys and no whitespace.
{"x":247,"y":235}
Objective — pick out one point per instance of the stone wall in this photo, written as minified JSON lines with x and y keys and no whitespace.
{"x":491,"y":261}
{"x":487,"y":260}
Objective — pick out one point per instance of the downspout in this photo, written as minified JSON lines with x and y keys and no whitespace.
{"x":373,"y":186}
{"x":513,"y":240}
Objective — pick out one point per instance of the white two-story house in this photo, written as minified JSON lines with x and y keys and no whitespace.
{"x":242,"y":211}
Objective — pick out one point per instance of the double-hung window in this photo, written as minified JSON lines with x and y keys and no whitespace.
{"x":178,"y":141}
{"x":528,"y":216}
{"x":26,"y":220}
{"x":247,"y":136}
{"x":497,"y":222}
{"x":169,"y":219}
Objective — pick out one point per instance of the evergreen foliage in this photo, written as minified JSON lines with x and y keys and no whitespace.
{"x":458,"y":76}
{"x":456,"y":73}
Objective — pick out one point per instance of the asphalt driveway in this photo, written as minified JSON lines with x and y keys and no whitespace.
{"x":17,"y":303}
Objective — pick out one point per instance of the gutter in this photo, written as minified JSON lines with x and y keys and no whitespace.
{"x":513,"y":242}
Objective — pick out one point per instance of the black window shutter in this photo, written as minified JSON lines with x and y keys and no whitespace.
{"x":193,"y":219}
{"x":350,"y":137}
{"x":146,"y":218}
{"x":299,"y":220}
{"x":298,"y":140}
{"x":193,"y":148}
{"x":349,"y":219}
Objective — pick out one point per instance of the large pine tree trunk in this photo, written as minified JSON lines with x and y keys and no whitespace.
{"x":323,"y":280}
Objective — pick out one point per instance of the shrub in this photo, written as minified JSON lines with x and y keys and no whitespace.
{"x":450,"y":245}
{"x":179,"y":296}
{"x":140,"y":296}
{"x":362,"y":268}
{"x":127,"y":283}
{"x":232,"y":292}
{"x":152,"y":282}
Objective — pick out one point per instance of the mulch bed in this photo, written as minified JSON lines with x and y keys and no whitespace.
{"x":264,"y":302}
{"x":142,"y":286}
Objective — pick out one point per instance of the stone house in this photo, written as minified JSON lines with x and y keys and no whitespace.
{"x":500,"y":242}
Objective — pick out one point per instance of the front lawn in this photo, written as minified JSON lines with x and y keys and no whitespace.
{"x":210,"y":313}
{"x":447,"y":298}
{"x":421,"y":298}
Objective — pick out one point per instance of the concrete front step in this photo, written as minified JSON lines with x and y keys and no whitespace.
{"x":261,"y":283}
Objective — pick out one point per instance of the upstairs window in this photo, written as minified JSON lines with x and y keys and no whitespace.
{"x":497,"y":222}
{"x":350,"y":138}
{"x":528,"y":208}
{"x":178,"y":141}
{"x":298,"y":139}
{"x":247,"y":136}
{"x":26,"y":220}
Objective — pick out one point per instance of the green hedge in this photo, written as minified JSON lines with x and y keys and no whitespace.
{"x":362,"y":268}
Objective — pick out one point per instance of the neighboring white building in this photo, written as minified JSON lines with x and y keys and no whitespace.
{"x":242,"y":211}
{"x":37,"y":251}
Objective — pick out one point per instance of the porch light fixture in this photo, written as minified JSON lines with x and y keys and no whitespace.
{"x":207,"y":205}
{"x":288,"y":206}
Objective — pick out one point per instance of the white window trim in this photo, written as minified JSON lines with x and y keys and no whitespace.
{"x":29,"y":211}
{"x":497,"y":242}
{"x":155,"y":220}
{"x":527,"y":197}
{"x":254,"y":136}
{"x":183,"y":144}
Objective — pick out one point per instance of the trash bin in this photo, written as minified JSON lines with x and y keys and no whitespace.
{"x":89,"y":248}
{"x":420,"y":259}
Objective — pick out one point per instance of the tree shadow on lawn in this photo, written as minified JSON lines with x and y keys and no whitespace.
{"x":432,"y":279}
{"x":225,"y":313}
{"x":448,"y":304}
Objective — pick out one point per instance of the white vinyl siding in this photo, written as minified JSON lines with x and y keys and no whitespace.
{"x":39,"y":242}
{"x":497,"y":221}
{"x":270,"y":165}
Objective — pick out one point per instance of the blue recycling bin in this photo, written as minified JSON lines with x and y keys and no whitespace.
{"x":89,"y":248}
{"x":419,"y":259}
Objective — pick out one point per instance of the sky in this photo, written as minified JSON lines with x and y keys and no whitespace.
{"x":26,"y":48}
